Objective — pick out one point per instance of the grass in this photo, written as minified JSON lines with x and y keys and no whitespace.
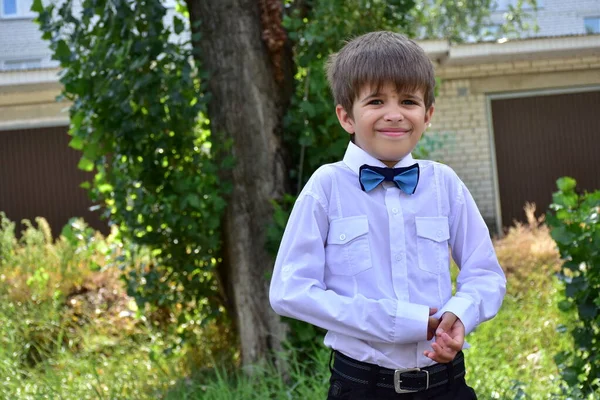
{"x":512,"y":355}
{"x":68,"y":331}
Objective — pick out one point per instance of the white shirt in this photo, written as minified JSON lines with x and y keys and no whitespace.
{"x":367,"y":266}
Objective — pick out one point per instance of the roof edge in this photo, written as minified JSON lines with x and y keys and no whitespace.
{"x":445,"y":53}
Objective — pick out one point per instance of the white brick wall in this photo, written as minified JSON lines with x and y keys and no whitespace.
{"x":560,"y":17}
{"x":462,"y":117}
{"x":21,"y":39}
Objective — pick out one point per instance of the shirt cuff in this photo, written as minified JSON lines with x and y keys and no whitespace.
{"x":411,"y":323}
{"x":465,"y":310}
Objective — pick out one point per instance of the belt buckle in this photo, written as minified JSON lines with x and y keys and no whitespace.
{"x":398,"y":381}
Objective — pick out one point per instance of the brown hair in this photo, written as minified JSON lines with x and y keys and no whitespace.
{"x":374,"y":59}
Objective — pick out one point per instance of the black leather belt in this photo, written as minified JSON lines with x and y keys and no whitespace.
{"x":403,"y":380}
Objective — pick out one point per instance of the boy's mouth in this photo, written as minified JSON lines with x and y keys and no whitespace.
{"x":394,"y":132}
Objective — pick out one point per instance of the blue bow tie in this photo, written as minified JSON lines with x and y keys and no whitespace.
{"x":406,"y":178}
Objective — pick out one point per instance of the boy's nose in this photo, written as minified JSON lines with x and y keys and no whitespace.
{"x":393,"y":116}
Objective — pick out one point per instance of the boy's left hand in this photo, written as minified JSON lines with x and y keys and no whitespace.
{"x":449,"y":339}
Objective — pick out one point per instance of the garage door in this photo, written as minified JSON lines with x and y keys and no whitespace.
{"x":39,"y":177}
{"x":539,"y":139}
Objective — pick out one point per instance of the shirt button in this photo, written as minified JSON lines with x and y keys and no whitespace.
{"x":395,"y":210}
{"x":399,"y":257}
{"x":342,"y":237}
{"x":439,"y":234}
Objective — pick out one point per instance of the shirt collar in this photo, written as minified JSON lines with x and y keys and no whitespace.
{"x":355,"y":157}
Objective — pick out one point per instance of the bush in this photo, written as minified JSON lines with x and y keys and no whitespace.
{"x":69,"y":330}
{"x":43,"y":283}
{"x":575,"y":222}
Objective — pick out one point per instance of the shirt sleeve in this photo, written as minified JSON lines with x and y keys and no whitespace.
{"x":481,"y":284}
{"x":298,"y":290}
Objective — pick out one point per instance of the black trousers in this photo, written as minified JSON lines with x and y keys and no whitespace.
{"x":343,"y":389}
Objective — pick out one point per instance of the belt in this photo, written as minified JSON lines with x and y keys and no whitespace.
{"x":403,"y":380}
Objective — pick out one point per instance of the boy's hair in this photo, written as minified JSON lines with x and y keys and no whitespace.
{"x":374,"y":59}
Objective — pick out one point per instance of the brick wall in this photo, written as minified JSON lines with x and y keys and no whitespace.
{"x":462,"y":118}
{"x":559,"y":17}
{"x":21,"y":39}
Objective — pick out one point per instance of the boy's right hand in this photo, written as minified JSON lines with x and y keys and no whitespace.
{"x":449,"y":339}
{"x":432,"y":323}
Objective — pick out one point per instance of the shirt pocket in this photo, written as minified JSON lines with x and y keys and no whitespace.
{"x":432,"y":243}
{"x":347,"y":251}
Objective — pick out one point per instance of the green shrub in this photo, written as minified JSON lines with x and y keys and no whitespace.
{"x":40,"y":280}
{"x":69,"y":330}
{"x":575,"y":222}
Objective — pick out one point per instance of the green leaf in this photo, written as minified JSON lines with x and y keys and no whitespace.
{"x":37,"y":6}
{"x":76,"y":120}
{"x":85,"y":185}
{"x":76,"y":143}
{"x":69,"y":233}
{"x":565,"y":199}
{"x":565,"y":305}
{"x":566,"y":184}
{"x":194,"y":200}
{"x":577,"y":285}
{"x":105,"y":188}
{"x":178,"y":25}
{"x":563,"y":214}
{"x":62,"y":53}
{"x":308,"y":108}
{"x":91,"y":150}
{"x":85,"y":164}
{"x":562,"y":236}
{"x":587,"y":311}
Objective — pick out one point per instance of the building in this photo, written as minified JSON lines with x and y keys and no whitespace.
{"x":38,"y":171}
{"x":519,"y":114}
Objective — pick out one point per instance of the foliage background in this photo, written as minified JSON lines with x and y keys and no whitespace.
{"x":138,"y":118}
{"x":575,"y":222}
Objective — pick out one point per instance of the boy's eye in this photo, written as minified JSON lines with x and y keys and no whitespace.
{"x":376,"y":102}
{"x":409,"y":102}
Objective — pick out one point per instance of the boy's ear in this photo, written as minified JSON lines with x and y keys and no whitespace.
{"x":345,"y":120}
{"x":429,"y":114}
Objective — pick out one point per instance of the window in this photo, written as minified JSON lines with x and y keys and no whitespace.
{"x":592,"y":24}
{"x":9,"y":8}
{"x":16,"y":8}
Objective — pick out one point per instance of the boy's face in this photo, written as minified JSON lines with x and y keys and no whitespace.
{"x":386,"y":124}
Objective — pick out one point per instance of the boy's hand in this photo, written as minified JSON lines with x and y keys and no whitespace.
{"x":450,"y":337}
{"x":432,"y":324}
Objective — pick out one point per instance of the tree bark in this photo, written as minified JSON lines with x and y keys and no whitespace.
{"x":249,"y":81}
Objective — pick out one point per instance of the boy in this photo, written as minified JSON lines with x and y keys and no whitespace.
{"x":365,"y":252}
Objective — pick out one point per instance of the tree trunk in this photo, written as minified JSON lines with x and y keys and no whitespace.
{"x":249,"y":69}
